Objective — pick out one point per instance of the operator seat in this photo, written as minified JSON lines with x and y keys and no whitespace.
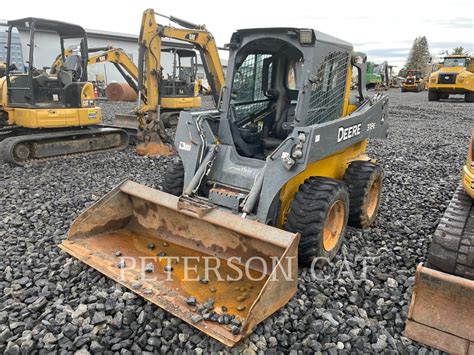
{"x":71,"y":70}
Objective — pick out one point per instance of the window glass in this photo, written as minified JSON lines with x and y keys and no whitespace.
{"x":248,"y":93}
{"x":455,"y":62}
{"x":291,"y":77}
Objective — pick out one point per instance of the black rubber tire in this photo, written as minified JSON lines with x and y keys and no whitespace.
{"x":308,"y":212}
{"x":469,"y":97}
{"x":173,"y":182}
{"x":403,"y":90}
{"x":452,"y":246}
{"x":444,"y":96}
{"x":433,"y":96}
{"x":359,"y":177}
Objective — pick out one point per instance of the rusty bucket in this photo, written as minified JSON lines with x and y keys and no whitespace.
{"x":215,"y":270}
{"x":441,"y":312}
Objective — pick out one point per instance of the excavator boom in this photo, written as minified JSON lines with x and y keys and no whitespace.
{"x":152,"y":137}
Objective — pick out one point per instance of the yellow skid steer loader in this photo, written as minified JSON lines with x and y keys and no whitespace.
{"x":283,"y":158}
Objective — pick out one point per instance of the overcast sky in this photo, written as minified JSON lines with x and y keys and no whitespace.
{"x":384,"y":30}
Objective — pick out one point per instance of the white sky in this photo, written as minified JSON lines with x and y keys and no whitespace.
{"x":384,"y":30}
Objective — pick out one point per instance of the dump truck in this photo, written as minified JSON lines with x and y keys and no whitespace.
{"x":267,"y":181}
{"x":456,"y":76}
{"x":49,"y":115}
{"x":441,"y":312}
{"x":414,"y":81}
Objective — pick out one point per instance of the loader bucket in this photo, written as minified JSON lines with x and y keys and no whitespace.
{"x":168,"y":250}
{"x":441,"y":312}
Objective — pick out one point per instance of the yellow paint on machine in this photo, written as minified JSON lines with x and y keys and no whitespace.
{"x":333,"y":166}
{"x":180,"y":102}
{"x":51,"y":118}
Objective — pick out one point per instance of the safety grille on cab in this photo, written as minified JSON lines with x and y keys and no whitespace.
{"x":327,"y":93}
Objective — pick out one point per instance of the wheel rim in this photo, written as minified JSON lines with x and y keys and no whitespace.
{"x":22,"y":152}
{"x":373,"y":198}
{"x":333,"y":225}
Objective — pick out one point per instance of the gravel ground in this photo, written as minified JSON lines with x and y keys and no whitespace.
{"x":49,"y":302}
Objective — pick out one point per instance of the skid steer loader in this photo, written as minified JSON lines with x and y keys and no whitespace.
{"x":441,"y":312}
{"x":283,"y":158}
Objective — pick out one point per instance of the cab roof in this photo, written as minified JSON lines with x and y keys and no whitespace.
{"x":64,"y":29}
{"x":320,"y":36}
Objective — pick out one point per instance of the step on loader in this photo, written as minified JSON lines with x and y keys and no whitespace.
{"x":267,"y":181}
{"x":441,"y":312}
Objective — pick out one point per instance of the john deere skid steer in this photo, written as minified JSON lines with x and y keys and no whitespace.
{"x":441,"y":313}
{"x":282,"y":159}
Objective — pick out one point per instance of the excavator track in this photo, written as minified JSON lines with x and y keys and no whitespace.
{"x":26,"y":149}
{"x":452,"y":248}
{"x":441,"y":312}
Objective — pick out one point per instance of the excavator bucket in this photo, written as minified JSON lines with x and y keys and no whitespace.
{"x":219,"y":272}
{"x":441,"y":312}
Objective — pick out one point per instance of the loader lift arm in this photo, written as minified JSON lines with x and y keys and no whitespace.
{"x":151,"y":131}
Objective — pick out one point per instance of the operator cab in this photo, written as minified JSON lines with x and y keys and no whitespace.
{"x":36,"y":85}
{"x":264,"y":94}
{"x":269,"y":74}
{"x":179,"y":74}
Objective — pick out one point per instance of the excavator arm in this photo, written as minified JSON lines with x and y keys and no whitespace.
{"x":109,"y":54}
{"x":152,"y":136}
{"x":122,"y":63}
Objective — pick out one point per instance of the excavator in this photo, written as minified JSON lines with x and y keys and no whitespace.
{"x":268,"y":180}
{"x":441,"y":312}
{"x":47,"y":115}
{"x":152,"y":138}
{"x":161,"y":99}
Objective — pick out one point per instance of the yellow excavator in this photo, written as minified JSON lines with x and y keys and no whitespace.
{"x":47,"y":115}
{"x":152,"y":138}
{"x":268,"y":180}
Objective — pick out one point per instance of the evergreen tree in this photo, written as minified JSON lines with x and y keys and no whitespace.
{"x":459,"y":51}
{"x":419,"y":55}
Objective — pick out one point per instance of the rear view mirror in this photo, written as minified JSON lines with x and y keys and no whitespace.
{"x":238,"y":77}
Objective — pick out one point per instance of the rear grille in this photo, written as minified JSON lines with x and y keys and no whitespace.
{"x":447,"y":78}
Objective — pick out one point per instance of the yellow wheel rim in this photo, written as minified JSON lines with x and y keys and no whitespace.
{"x":334,"y":225}
{"x":373,"y":198}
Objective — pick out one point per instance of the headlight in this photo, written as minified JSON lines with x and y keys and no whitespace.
{"x":306,"y":37}
{"x":433,"y":79}
{"x":461,"y":79}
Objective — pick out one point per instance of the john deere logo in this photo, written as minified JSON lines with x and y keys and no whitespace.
{"x":345,"y":133}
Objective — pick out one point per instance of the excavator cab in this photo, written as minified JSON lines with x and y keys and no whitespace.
{"x":35,"y":86}
{"x":179,"y":78}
